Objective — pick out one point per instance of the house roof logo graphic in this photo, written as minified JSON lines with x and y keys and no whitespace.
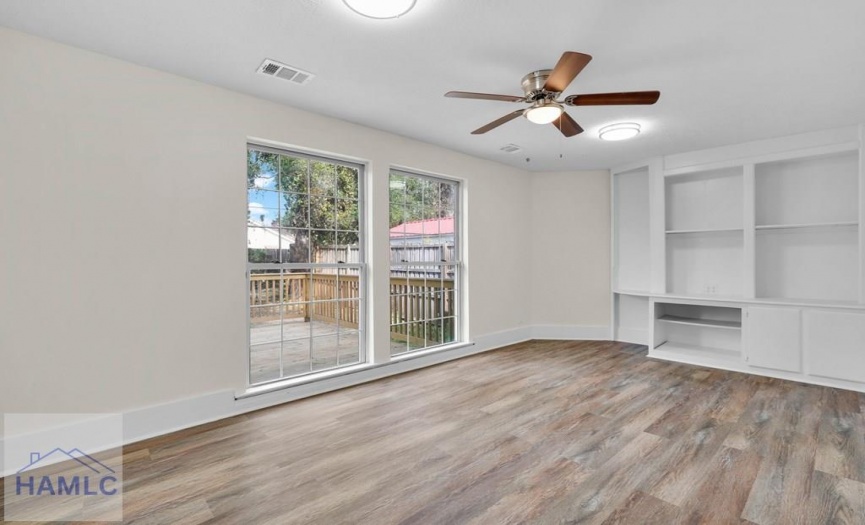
{"x":75,"y":454}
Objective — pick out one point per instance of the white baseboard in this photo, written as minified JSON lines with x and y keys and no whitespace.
{"x":156,"y":420}
{"x":571,"y":332}
{"x":633,"y":335}
{"x":481,"y":344}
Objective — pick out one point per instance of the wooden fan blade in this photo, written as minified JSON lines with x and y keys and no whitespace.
{"x":484,"y":96}
{"x":496,"y":123}
{"x":567,"y":69}
{"x":614,"y":99}
{"x":567,"y":125}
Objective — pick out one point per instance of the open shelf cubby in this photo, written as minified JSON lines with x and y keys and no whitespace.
{"x":817,"y":191}
{"x":705,"y":201}
{"x":706,"y":263}
{"x":808,"y":264}
{"x":695,"y":331}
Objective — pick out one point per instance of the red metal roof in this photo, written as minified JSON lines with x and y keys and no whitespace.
{"x":442,"y":226}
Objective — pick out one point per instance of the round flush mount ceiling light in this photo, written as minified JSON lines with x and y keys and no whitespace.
{"x":620,"y":131}
{"x":544,"y":113}
{"x":380,"y":9}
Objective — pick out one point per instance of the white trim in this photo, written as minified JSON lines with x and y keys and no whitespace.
{"x":157,"y":420}
{"x":657,"y":227}
{"x":862,"y":214}
{"x":83,"y":426}
{"x":764,"y":159}
{"x":756,"y":371}
{"x":749,"y":248}
{"x":628,"y":168}
{"x":571,"y":332}
{"x":303,"y":150}
{"x":405,"y":170}
{"x":794,"y":146}
{"x":723,"y":300}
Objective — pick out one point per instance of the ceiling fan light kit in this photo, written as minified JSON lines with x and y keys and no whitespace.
{"x":544,"y":113}
{"x":542,"y":88}
{"x":380,"y":9}
{"x":619,"y":131}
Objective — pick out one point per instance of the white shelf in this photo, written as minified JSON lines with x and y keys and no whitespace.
{"x":640,"y":293}
{"x":801,"y":226}
{"x":711,"y":323}
{"x":739,"y":300}
{"x":798,"y":301}
{"x":707,"y":230}
{"x":696,"y":352}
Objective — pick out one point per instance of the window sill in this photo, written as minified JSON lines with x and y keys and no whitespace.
{"x":339,"y":372}
{"x":430,"y":351}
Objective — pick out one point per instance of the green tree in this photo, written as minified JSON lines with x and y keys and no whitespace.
{"x":320,"y":201}
{"x":259,"y":165}
{"x":418,"y":198}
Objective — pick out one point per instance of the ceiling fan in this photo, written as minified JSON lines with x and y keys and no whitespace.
{"x":542,"y":88}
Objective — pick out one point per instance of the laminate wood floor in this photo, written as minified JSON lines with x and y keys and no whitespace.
{"x":540,"y":432}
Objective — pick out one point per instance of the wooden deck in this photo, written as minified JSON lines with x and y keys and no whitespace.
{"x":541,"y":432}
{"x":308,"y":346}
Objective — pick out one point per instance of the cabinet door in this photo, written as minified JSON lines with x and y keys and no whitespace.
{"x":835,"y":344}
{"x":772,"y":338}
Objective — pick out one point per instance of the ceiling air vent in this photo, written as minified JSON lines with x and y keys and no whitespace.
{"x":273,"y":68}
{"x":510,"y":148}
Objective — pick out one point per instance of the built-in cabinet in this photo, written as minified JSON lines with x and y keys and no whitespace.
{"x":773,"y":338}
{"x":748,"y":257}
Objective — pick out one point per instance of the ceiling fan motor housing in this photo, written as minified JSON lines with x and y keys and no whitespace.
{"x":533,"y":85}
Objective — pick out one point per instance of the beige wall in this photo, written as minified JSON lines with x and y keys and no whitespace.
{"x":571,"y":259}
{"x":123,"y":230}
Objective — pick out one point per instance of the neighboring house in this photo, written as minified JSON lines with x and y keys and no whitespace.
{"x":426,"y":232}
{"x":261,"y":237}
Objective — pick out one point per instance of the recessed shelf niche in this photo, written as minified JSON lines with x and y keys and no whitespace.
{"x":819,"y":264}
{"x":807,"y":244}
{"x":705,"y":201}
{"x":817,"y":191}
{"x":631,"y":239}
{"x":699,"y":331}
{"x":705,"y":264}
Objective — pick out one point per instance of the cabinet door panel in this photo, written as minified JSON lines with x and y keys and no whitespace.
{"x":835,"y":344}
{"x":772,"y":338}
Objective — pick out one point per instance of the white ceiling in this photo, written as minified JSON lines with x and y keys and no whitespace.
{"x":728,"y":70}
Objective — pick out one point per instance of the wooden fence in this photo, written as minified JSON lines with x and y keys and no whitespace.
{"x":401,"y":258}
{"x":329,"y":297}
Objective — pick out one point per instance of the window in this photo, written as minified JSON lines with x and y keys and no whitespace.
{"x":305,"y":264}
{"x":425,"y":262}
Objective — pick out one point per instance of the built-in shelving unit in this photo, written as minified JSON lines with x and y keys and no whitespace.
{"x":704,"y":229}
{"x":804,"y":226}
{"x":709,"y":323}
{"x":704,"y":330}
{"x":807,"y":217}
{"x":714,"y":230}
{"x":773,"y":228}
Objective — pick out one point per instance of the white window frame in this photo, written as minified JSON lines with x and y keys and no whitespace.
{"x":460,"y":336}
{"x":361,"y":267}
